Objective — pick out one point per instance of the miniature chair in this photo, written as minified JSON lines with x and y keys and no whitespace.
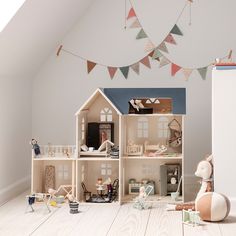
{"x":87,"y":194}
{"x":115,"y":187}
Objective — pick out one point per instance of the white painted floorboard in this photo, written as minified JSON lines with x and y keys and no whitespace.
{"x":103,"y":220}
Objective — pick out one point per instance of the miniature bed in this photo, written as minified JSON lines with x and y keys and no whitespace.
{"x":154,"y":149}
{"x":103,"y":150}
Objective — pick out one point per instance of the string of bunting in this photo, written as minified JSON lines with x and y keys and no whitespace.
{"x":155,"y":53}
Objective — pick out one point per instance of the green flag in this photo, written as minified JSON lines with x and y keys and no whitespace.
{"x":125,"y":71}
{"x":141,"y":34}
{"x":202,"y":71}
{"x":176,"y":30}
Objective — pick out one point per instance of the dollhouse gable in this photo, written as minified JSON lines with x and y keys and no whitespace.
{"x":98,"y":93}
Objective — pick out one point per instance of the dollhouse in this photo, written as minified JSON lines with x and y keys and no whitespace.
{"x":126,"y":138}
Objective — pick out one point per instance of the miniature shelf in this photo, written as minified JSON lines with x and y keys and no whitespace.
{"x":97,"y":159}
{"x":180,"y":157}
{"x":54,"y":159}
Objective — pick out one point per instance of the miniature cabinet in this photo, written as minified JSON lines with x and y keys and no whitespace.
{"x":170,"y":175}
{"x":124,"y":150}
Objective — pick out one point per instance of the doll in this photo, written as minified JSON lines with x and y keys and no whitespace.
{"x":35,"y":147}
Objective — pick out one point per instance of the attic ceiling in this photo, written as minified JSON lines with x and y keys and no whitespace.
{"x":34,"y":32}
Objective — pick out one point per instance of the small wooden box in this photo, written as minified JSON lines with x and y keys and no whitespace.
{"x":158,"y":105}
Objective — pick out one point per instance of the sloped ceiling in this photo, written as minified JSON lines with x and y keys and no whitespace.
{"x":35,"y":31}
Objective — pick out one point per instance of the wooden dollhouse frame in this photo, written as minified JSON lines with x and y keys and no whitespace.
{"x":135,"y":144}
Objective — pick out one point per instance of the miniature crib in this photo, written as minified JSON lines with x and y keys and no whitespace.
{"x":134,"y":150}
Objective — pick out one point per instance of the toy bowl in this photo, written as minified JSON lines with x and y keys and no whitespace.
{"x":59,"y":199}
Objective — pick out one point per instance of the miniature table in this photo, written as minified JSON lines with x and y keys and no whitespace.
{"x":100,"y":189}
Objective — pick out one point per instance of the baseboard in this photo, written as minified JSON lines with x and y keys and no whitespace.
{"x":232,"y":205}
{"x":14,"y":189}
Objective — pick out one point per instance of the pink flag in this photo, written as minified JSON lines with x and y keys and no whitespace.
{"x":145,"y":61}
{"x":149,"y":46}
{"x":187,"y":72}
{"x":174,"y":69}
{"x":170,"y":39}
{"x":112,"y":71}
{"x":131,"y":13}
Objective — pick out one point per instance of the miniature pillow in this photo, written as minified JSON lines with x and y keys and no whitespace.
{"x":84,"y":148}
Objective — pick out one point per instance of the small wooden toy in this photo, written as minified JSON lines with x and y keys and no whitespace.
{"x":35,"y":148}
{"x":140,"y":201}
{"x":191,"y":218}
{"x":44,"y":197}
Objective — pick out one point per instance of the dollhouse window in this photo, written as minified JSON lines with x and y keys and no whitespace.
{"x":63,"y":172}
{"x":106,"y":169}
{"x":106,"y":115}
{"x":142,"y":127}
{"x":83,"y":129}
{"x":163,"y":127}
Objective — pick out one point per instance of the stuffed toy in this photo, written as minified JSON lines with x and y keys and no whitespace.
{"x":211,"y":206}
{"x":35,"y":147}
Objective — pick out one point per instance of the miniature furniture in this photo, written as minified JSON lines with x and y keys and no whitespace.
{"x":170,"y":175}
{"x":87,"y":194}
{"x":95,"y":132}
{"x":44,"y":197}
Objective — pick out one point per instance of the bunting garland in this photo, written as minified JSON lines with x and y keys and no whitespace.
{"x":156,"y":53}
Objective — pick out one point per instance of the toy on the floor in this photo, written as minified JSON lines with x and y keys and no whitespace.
{"x":211,"y":206}
{"x":191,"y":218}
{"x":140,"y":201}
{"x":44,"y":197}
{"x":35,"y":147}
{"x":73,"y":203}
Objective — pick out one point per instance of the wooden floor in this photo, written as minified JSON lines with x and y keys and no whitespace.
{"x":102,"y":220}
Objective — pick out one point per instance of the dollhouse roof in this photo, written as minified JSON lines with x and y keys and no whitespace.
{"x":121,"y":96}
{"x":118,"y":98}
{"x":93,"y":97}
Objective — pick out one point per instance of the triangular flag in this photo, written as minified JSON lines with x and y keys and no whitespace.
{"x":174,"y":69}
{"x":170,"y":39}
{"x":145,"y":61}
{"x":156,"y":54}
{"x":163,"y":47}
{"x":164,"y":61}
{"x":187,"y":72}
{"x":135,"y":67}
{"x":141,"y":34}
{"x":151,"y":53}
{"x":176,"y":30}
{"x":149,"y":46}
{"x":90,"y":66}
{"x":202,"y":71}
{"x":135,"y":24}
{"x":125,"y":71}
{"x":131,"y":13}
{"x":112,"y":71}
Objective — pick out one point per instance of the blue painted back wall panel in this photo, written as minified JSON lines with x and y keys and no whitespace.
{"x":121,"y":96}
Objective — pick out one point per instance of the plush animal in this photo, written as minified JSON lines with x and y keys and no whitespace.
{"x":212,"y":206}
{"x":35,"y":147}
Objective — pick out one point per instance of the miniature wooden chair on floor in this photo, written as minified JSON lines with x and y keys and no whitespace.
{"x":115,"y":187}
{"x":87,"y":194}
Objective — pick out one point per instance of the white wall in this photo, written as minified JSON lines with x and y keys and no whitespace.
{"x":15,"y":134}
{"x":63,"y":84}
